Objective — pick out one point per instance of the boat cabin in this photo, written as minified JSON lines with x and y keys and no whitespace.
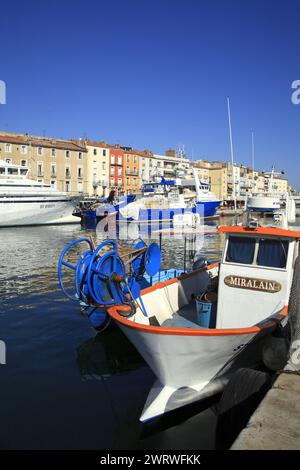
{"x":8,"y":170}
{"x":255,"y":274}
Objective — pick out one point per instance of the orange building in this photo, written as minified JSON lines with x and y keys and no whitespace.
{"x":131,"y":170}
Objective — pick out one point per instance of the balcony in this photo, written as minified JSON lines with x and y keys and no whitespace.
{"x":132,"y":173}
{"x":116,"y":162}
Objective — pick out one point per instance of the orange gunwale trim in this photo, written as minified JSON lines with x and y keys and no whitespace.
{"x":279,"y":232}
{"x":160,"y":330}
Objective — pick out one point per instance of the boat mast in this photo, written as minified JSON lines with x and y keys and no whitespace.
{"x":231,"y":152}
{"x":252,"y":141}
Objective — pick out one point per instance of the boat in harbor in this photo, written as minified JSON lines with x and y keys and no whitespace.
{"x":194,"y":329}
{"x":269,"y":201}
{"x":162,"y":201}
{"x":28,"y":202}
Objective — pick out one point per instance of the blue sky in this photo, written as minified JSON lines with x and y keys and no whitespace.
{"x":154,"y":74}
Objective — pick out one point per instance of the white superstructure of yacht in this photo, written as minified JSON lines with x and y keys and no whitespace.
{"x":29,"y":202}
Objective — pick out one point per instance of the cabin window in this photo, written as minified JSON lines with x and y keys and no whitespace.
{"x":240,"y":250}
{"x":12,"y":171}
{"x":272,"y":253}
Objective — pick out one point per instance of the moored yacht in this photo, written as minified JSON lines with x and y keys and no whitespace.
{"x":29,"y":202}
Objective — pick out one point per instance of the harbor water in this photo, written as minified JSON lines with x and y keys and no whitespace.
{"x":63,"y":385}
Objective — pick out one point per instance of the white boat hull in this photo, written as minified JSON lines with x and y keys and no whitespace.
{"x":189,"y":362}
{"x":263,"y":203}
{"x":40,"y":212}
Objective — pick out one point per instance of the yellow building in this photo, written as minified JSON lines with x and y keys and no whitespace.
{"x":280,"y":185}
{"x":97,"y":168}
{"x":219,"y":182}
{"x":61,"y":163}
{"x":203,"y":172}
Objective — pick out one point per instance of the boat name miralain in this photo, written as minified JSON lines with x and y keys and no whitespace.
{"x":252,"y":283}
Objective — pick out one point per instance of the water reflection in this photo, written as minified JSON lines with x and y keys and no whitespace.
{"x":69,"y":379}
{"x":29,"y":256}
{"x":107,"y":354}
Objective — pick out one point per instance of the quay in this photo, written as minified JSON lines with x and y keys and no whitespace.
{"x":275,"y":423}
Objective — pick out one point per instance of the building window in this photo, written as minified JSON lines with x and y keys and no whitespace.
{"x":103,"y":166}
{"x":53,"y":152}
{"x":134,"y":158}
{"x":23,"y":162}
{"x":112,"y":172}
{"x":79,"y":186}
{"x":68,"y":172}
{"x":8,"y":160}
{"x":40,"y":150}
{"x":112,"y":159}
{"x":127,"y":181}
{"x":40,"y":169}
{"x":134,"y":181}
{"x":53,"y":184}
{"x":95,"y":152}
{"x":104,"y":152}
{"x":7,"y":147}
{"x":53,"y":171}
{"x":127,"y":158}
{"x":80,"y":172}
{"x":68,"y":186}
{"x":79,"y":155}
{"x":23,"y":149}
{"x":120,"y":160}
{"x":67,"y":153}
{"x":112,"y":181}
{"x":119,"y":171}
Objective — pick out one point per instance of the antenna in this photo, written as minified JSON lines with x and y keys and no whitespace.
{"x":231,"y":152}
{"x":252,"y":157}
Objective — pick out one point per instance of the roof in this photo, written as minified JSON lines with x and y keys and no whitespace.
{"x":273,"y":231}
{"x":24,"y":139}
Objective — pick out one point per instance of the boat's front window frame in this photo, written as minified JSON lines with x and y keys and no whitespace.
{"x":256,"y":249}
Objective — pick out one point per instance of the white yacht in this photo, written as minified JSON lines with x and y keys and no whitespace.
{"x":29,"y":202}
{"x":270,"y":201}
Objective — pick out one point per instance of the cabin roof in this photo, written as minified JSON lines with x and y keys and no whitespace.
{"x":273,"y":231}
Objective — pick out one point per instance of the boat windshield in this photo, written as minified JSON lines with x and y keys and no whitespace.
{"x":240,"y":250}
{"x":272,"y":253}
{"x":269,"y":252}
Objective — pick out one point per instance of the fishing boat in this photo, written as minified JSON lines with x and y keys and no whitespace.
{"x":161,"y":201}
{"x":29,"y":202}
{"x":196,"y":328}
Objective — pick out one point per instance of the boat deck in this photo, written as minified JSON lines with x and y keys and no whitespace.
{"x":185,"y":317}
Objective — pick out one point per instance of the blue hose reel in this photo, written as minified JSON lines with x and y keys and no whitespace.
{"x":100,"y":277}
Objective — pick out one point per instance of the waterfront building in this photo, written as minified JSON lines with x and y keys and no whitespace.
{"x":98,"y":164}
{"x":171,"y":165}
{"x":116,"y":163}
{"x":58,"y":162}
{"x":218,"y":177}
{"x":131,"y":170}
{"x":203,"y":172}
